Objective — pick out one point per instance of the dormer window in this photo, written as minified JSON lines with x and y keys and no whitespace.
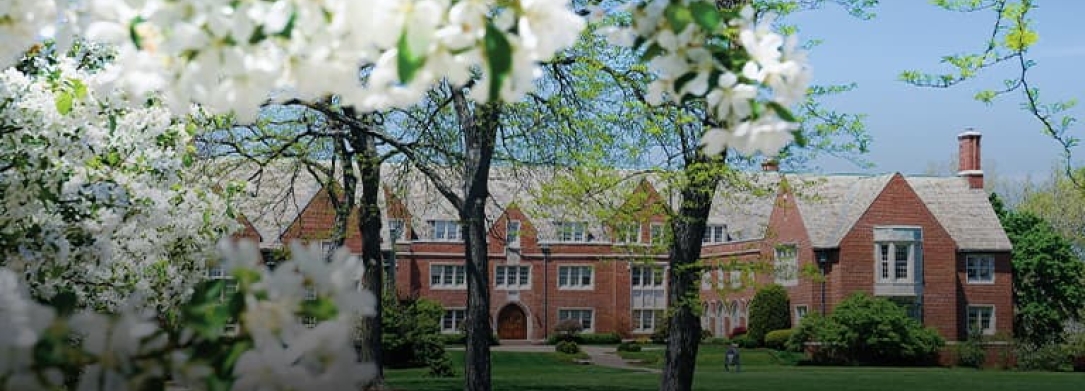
{"x":396,"y":230}
{"x":571,"y":231}
{"x":715,"y":233}
{"x":445,"y":230}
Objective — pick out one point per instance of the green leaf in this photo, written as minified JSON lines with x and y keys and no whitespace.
{"x":499,"y":54}
{"x":706,"y":15}
{"x":678,"y":16}
{"x":800,"y":139}
{"x":79,"y":88}
{"x":407,"y":62}
{"x":64,"y":102}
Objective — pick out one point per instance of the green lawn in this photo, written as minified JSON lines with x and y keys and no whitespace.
{"x":546,"y":371}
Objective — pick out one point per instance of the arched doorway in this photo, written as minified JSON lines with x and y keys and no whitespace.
{"x":511,"y":323}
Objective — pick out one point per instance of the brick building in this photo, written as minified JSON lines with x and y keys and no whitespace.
{"x":932,"y":244}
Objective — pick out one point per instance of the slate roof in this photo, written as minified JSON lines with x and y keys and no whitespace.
{"x":830,"y":204}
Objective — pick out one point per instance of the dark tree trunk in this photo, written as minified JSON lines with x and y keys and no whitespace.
{"x":702,"y":178}
{"x":479,"y":131}
{"x":342,"y":199}
{"x":369,"y":224}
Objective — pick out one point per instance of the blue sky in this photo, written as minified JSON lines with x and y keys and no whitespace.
{"x":914,"y":128}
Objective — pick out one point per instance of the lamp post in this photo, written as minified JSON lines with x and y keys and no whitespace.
{"x":545,"y":247}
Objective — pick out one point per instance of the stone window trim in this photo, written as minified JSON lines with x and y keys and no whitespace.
{"x":513,"y":277}
{"x":589,"y":326}
{"x":452,"y":319}
{"x":575,"y":277}
{"x":455,"y":281}
{"x":977,"y":314}
{"x":785,"y":259}
{"x":980,"y":269}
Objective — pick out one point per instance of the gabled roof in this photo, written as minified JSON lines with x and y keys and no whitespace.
{"x":831,"y":205}
{"x":964,"y":212}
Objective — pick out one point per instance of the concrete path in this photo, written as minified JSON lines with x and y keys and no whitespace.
{"x":604,"y":356}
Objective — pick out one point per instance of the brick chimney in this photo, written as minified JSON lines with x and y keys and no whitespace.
{"x":770,"y":165}
{"x":969,"y":155}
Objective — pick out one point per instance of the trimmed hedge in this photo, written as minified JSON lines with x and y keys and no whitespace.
{"x":461,"y":339}
{"x":588,"y":339}
{"x":629,"y":347}
{"x":567,"y":347}
{"x":777,"y":339}
{"x":769,"y":310}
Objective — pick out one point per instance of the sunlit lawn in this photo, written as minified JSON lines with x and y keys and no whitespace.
{"x":546,"y":371}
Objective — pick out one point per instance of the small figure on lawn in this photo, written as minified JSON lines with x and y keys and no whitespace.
{"x":732,"y":359}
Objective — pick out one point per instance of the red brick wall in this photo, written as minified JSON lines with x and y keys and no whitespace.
{"x":786,"y":226}
{"x":998,"y":294}
{"x":898,"y":204}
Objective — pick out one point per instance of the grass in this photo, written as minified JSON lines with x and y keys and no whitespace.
{"x":551,"y":371}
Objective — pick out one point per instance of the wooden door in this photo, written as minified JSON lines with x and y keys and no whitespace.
{"x":512,"y":323}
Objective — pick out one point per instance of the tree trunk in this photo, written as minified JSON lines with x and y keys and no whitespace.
{"x":369,"y":224}
{"x":684,"y":335}
{"x":479,"y":131}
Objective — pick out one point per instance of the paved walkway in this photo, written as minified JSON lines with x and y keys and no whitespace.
{"x":604,"y":356}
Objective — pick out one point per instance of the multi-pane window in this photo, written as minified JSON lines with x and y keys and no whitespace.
{"x":310,"y":292}
{"x":646,"y":320}
{"x":715,"y":233}
{"x":897,"y":253}
{"x":453,"y":318}
{"x":328,"y":248}
{"x":575,"y":277}
{"x":980,"y":268}
{"x":656,"y":233}
{"x":308,"y":321}
{"x":445,"y":230}
{"x":706,"y":281}
{"x":229,"y":288}
{"x":396,"y":230}
{"x":800,"y":312}
{"x":447,"y":276}
{"x":736,"y":279}
{"x":583,"y":315}
{"x":982,"y":318}
{"x":627,"y":233}
{"x":646,"y":276}
{"x":571,"y":231}
{"x":512,"y":233}
{"x":512,"y":277}
{"x":786,"y":265}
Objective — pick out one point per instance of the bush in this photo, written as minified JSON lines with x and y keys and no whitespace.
{"x":567,"y":347}
{"x":1049,"y":356}
{"x":744,"y":341}
{"x":769,"y":310}
{"x":588,"y":339}
{"x":868,"y":330}
{"x":567,"y":329}
{"x":970,"y":353}
{"x":411,"y":335}
{"x":661,"y":331}
{"x":777,"y":339}
{"x":461,"y":339}
{"x":706,"y":335}
{"x":717,"y":341}
{"x":629,"y":347}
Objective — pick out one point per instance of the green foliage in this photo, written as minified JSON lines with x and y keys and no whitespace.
{"x":868,"y":330}
{"x":970,"y":352}
{"x":1047,"y":356}
{"x":629,"y":347}
{"x":1048,"y":277}
{"x":412,"y":335}
{"x":777,"y":339}
{"x":769,"y":310}
{"x":567,"y":347}
{"x":568,"y":328}
{"x":587,"y":339}
{"x":744,"y":341}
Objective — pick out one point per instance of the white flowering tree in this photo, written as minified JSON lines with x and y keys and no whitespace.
{"x":230,"y":56}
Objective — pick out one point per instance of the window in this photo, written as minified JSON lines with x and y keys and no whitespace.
{"x":512,"y":233}
{"x":451,"y":321}
{"x":445,"y":230}
{"x":706,"y":281}
{"x":627,"y":233}
{"x":800,"y":312}
{"x":646,"y":276}
{"x":715,"y":233}
{"x":571,"y":231}
{"x":308,"y":321}
{"x":787,"y":265}
{"x":656,"y":233}
{"x":981,"y":318}
{"x":736,"y":279}
{"x":310,"y":292}
{"x":512,"y":277}
{"x":229,"y":288}
{"x":980,"y":268}
{"x":575,"y":277}
{"x":215,"y":272}
{"x":396,"y":230}
{"x":896,"y":253}
{"x":447,"y":276}
{"x":646,"y":320}
{"x":583,"y":315}
{"x":328,"y":248}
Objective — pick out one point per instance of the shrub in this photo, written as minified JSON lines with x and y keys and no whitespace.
{"x":744,"y":341}
{"x":777,"y":339}
{"x":662,"y":330}
{"x":568,"y":328}
{"x":717,"y":341}
{"x":411,"y":335}
{"x":706,"y":335}
{"x":1049,"y":356}
{"x":629,"y":347}
{"x":970,"y":353}
{"x":588,"y":339}
{"x":769,"y":310}
{"x":737,"y":332}
{"x":461,"y":339}
{"x":870,"y":330}
{"x":567,"y":347}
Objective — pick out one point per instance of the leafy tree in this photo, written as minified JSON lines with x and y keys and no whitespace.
{"x":1049,"y":278}
{"x":411,"y":335}
{"x":770,"y":310}
{"x":1061,"y":203}
{"x":869,"y":330}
